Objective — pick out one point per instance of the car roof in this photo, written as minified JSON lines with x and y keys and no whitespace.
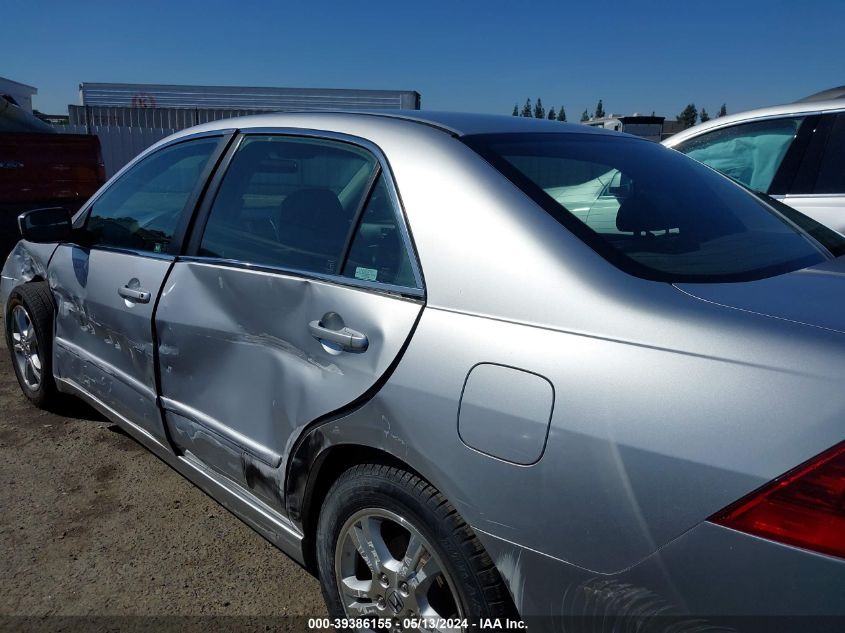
{"x":454,"y":123}
{"x":466,"y":123}
{"x":805,"y":106}
{"x":825,"y":95}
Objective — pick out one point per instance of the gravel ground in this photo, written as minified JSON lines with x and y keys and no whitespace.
{"x":96,"y":533}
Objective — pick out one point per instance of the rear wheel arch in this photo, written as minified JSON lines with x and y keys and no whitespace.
{"x":410,"y":504}
{"x":326,"y":467}
{"x":306,"y":491}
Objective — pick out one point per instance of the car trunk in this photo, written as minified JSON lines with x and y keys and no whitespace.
{"x":812,"y":296}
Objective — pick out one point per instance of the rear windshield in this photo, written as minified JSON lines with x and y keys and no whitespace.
{"x":655,"y":212}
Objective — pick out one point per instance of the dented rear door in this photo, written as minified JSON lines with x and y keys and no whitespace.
{"x":299,"y":292}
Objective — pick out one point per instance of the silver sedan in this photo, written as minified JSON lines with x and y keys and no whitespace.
{"x":466,"y":369}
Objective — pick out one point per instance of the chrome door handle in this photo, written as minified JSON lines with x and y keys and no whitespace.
{"x":331,"y":328}
{"x":139,"y":296}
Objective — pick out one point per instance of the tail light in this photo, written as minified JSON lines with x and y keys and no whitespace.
{"x":805,"y":507}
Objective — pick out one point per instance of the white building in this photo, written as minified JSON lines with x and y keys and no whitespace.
{"x":650,"y":127}
{"x":18,"y":93}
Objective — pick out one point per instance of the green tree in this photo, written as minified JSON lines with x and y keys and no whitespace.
{"x":688,"y":116}
{"x":600,"y":114}
{"x":703,"y":116}
{"x":723,"y":110}
{"x":552,"y":115}
{"x":526,"y":109}
{"x":561,"y":115}
{"x":515,"y":110}
{"x":585,"y":116}
{"x":539,"y":110}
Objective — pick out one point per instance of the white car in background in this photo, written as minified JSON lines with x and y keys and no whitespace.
{"x":793,"y":152}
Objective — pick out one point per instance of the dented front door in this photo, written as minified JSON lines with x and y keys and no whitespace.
{"x":104,"y":343}
{"x":106,"y":290}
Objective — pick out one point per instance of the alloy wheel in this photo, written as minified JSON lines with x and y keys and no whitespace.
{"x":25,"y":347}
{"x":386,"y":568}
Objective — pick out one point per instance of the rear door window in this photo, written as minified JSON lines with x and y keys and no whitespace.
{"x":749,"y":152}
{"x":288,"y":202}
{"x":309,"y":205}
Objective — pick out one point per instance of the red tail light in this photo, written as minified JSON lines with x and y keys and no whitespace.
{"x":805,"y":507}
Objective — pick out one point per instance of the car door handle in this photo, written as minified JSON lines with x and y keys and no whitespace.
{"x":139,"y":296}
{"x":331,"y":328}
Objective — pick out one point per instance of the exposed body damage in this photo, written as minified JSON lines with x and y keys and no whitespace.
{"x":222,"y":352}
{"x":26,"y":262}
{"x":103,"y":342}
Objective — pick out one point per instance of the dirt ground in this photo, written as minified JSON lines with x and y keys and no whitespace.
{"x":96,"y":533}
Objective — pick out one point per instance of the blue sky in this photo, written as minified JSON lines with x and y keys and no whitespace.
{"x":471,"y":56}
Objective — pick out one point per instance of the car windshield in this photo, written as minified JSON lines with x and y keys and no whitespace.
{"x":652,"y":211}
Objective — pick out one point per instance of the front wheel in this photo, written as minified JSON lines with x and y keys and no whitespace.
{"x":29,"y":336}
{"x":390,"y":546}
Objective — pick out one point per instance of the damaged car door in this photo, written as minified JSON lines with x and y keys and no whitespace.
{"x":298,"y":291}
{"x":105,"y":284}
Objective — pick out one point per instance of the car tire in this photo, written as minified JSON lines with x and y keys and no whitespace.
{"x":29,"y":337}
{"x":380,"y":503}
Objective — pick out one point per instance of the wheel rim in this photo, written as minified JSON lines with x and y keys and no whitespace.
{"x":386,"y":568}
{"x":25,"y":348}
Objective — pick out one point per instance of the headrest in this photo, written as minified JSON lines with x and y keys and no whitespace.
{"x":311,"y":207}
{"x":637,"y":214}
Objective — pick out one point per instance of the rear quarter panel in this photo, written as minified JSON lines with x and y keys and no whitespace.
{"x":666,"y":409}
{"x":645,"y":441}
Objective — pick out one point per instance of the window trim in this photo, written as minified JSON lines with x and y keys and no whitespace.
{"x":360,"y":284}
{"x":819,"y":196}
{"x":357,"y":217}
{"x":191,"y":252}
{"x":187,"y":214}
